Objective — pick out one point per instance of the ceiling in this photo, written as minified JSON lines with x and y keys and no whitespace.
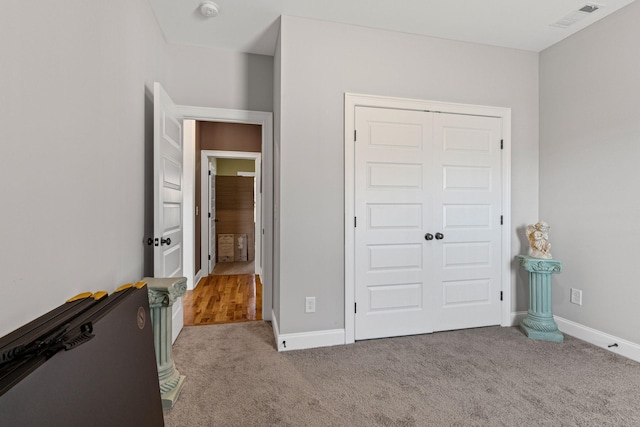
{"x":252,"y":25}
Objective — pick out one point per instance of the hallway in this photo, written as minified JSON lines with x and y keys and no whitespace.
{"x":224,"y":299}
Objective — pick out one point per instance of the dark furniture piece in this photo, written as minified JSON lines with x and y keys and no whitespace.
{"x":89,"y":362}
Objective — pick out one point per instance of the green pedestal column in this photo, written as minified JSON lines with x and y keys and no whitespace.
{"x":162,"y":294}
{"x":539,"y":323}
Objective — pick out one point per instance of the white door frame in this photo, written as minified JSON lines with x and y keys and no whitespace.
{"x":264,"y":119}
{"x":352,"y":101}
{"x":204,"y":207}
{"x":211,"y":170}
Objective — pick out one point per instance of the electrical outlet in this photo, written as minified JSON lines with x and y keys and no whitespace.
{"x":310,"y":305}
{"x":576,"y":296}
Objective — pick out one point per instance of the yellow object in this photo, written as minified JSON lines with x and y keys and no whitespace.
{"x":123,"y":287}
{"x":140,"y":285}
{"x":99,"y":295}
{"x":80,"y":296}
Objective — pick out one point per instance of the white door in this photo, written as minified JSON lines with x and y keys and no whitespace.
{"x":468,"y":196}
{"x":168,"y":186}
{"x":393,"y":205}
{"x":212,"y":216}
{"x":428,"y":238}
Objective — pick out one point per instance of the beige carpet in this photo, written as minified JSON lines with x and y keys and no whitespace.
{"x":481,"y":377}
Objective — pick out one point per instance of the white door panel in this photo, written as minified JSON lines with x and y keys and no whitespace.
{"x":469,"y":193}
{"x":168,"y":187}
{"x":392,"y":205}
{"x":418,"y":172}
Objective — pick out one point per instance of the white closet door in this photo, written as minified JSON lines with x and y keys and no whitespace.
{"x":393,"y":152}
{"x":428,"y":210}
{"x":469,"y":199}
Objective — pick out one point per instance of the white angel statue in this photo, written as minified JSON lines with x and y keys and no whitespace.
{"x":538,"y":240}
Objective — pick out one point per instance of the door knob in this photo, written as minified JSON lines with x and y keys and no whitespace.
{"x":428,"y":236}
{"x":166,"y":241}
{"x":439,"y":236}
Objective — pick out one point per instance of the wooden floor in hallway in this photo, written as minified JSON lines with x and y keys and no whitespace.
{"x":224,"y":299}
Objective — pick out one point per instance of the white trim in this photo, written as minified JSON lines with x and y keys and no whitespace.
{"x":508,"y":277}
{"x":265,"y":119}
{"x":516,"y":318}
{"x":188,"y":221}
{"x":197,"y":279}
{"x":276,"y":329}
{"x":205,"y":157}
{"x":600,"y":339}
{"x":177,"y":319}
{"x":352,"y":100}
{"x":304,"y":340}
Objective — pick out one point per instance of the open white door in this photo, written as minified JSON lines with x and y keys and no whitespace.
{"x":168,"y":186}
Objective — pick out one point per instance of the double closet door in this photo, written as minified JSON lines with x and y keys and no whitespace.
{"x":428,"y":197}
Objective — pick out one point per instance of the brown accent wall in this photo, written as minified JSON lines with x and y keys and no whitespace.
{"x":223,"y":137}
{"x":230,"y":137}
{"x":234,"y":208}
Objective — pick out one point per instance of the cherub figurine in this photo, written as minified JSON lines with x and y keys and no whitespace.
{"x":537,"y":235}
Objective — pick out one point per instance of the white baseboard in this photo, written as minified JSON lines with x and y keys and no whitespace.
{"x":274,"y":326}
{"x":303,"y":340}
{"x":197,"y":278}
{"x":516,"y":317}
{"x":177,"y":319}
{"x":600,"y":339}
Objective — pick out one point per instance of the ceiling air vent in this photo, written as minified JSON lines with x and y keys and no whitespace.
{"x":577,"y":15}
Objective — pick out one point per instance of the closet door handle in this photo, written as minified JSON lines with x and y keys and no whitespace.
{"x":439,"y":236}
{"x":428,"y":236}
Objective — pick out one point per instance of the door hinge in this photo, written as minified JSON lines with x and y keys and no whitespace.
{"x":209,"y":214}
{"x":355,"y":307}
{"x":501,"y":219}
{"x":209,"y":173}
{"x":355,"y":135}
{"x":209,"y":257}
{"x":355,"y":221}
{"x":500,"y":295}
{"x":502,"y":144}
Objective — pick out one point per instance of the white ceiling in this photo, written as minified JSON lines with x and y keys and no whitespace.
{"x":252,"y":25}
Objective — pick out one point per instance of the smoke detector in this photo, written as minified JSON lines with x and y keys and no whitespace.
{"x":209,"y":9}
{"x":577,"y":15}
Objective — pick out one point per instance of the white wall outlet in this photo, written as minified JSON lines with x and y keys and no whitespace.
{"x":576,"y":296}
{"x":310,"y":305}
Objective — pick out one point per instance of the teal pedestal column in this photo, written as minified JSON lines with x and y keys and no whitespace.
{"x":162,"y":294}
{"x":539,"y":323}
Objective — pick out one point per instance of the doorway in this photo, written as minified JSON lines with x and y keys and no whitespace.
{"x":231,"y":203}
{"x":264,"y":122}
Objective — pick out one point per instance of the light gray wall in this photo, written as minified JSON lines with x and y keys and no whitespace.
{"x":72,"y":155}
{"x":203,"y":77}
{"x":319,"y":62}
{"x":277,"y":86}
{"x":589,"y":176}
